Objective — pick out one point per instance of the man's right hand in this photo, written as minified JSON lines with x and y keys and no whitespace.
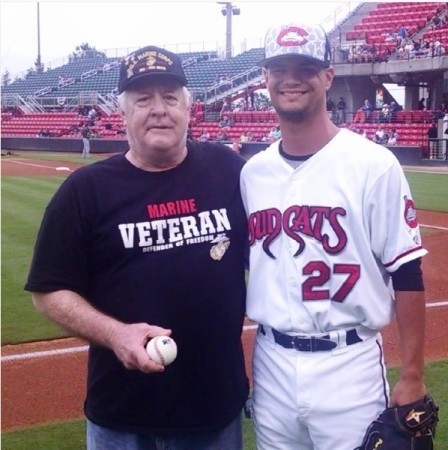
{"x":128,"y":342}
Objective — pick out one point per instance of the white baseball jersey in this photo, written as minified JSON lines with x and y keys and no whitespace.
{"x":325,"y":236}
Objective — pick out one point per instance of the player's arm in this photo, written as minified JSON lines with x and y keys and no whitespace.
{"x":410,"y":313}
{"x":74,"y":313}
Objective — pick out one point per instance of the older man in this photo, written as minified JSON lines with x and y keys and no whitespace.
{"x":151,"y":242}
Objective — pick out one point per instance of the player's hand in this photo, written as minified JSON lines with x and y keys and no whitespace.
{"x":406,"y":391}
{"x":128,"y":343}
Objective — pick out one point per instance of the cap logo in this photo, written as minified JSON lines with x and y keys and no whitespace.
{"x":292,"y":36}
{"x":147,"y":61}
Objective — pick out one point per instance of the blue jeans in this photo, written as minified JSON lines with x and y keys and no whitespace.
{"x":227,"y":438}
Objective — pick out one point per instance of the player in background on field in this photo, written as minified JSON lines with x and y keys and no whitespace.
{"x":151,"y":242}
{"x":335,"y":253}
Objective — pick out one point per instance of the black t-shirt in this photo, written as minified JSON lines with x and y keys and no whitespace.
{"x":166,"y":248}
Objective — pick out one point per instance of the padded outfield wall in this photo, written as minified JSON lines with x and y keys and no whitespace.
{"x":409,"y":156}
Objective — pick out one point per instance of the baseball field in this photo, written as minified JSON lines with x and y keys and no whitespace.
{"x":43,"y":369}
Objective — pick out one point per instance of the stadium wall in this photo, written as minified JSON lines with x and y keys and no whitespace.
{"x":411,"y":156}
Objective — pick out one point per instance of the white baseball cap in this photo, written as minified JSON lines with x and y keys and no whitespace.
{"x":294,"y":39}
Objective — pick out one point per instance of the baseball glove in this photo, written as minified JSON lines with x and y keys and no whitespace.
{"x":407,"y":427}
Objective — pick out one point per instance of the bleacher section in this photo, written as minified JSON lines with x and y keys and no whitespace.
{"x":412,"y":126}
{"x":31,"y":124}
{"x":384,"y":22}
{"x":207,"y":72}
{"x":100,"y":74}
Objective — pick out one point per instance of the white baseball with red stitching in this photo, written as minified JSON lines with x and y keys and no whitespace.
{"x":162,"y":350}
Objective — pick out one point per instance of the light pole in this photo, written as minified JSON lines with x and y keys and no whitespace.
{"x":229,"y":10}
{"x":38,"y":60}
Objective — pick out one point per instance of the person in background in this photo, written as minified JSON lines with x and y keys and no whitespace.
{"x":275,"y":133}
{"x":433,"y":135}
{"x":332,"y":259}
{"x":380,"y":136}
{"x":384,"y":113}
{"x":330,"y":108}
{"x":222,"y":135}
{"x":393,"y":137}
{"x":368,"y":109}
{"x":86,"y":136}
{"x":341,"y":106}
{"x":152,"y":242}
{"x":205,"y":136}
{"x":422,"y":104}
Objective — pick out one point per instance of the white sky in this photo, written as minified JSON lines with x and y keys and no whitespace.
{"x":107,"y":25}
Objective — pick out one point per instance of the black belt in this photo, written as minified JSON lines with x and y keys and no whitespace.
{"x":312,"y":343}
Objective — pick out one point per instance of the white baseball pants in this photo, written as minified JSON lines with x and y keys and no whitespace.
{"x":316,"y":400}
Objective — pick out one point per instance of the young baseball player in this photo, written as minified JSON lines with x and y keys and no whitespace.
{"x":335,"y":253}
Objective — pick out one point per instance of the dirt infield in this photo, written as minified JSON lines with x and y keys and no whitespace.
{"x":45,"y":382}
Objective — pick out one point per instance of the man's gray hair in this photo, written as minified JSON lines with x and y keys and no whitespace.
{"x":123,"y":96}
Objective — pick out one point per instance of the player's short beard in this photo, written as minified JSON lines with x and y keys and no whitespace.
{"x":294,"y":116}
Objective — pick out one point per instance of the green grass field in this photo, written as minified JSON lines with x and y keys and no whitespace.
{"x":23,"y":202}
{"x":71,"y":435}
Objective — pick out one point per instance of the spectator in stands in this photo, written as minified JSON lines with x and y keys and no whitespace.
{"x":433,"y":134}
{"x":205,"y":136}
{"x":360,"y":116}
{"x":83,"y":111}
{"x":225,"y":122}
{"x":190,"y":135}
{"x":393,"y":109}
{"x":384,"y":115}
{"x":92,"y":114}
{"x":393,"y":137}
{"x":380,"y":136}
{"x":236,"y":147}
{"x":86,"y":136}
{"x":225,"y":107}
{"x":340,"y":108}
{"x":275,"y":133}
{"x":197,"y":108}
{"x":222,"y":135}
{"x":439,"y":49}
{"x":330,"y":108}
{"x":421,"y":104}
{"x":368,"y":109}
{"x":402,"y":35}
{"x":244,"y":137}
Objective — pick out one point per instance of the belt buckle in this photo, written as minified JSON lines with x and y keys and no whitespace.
{"x":313,"y":344}
{"x":302,"y":344}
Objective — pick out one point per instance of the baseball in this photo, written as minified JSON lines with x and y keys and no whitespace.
{"x":162,"y":350}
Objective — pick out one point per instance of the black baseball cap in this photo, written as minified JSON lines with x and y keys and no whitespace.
{"x":147,"y":62}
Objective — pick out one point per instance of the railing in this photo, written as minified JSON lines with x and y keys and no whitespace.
{"x":88,"y":74}
{"x":32,"y":104}
{"x":87,"y":98}
{"x":29,"y":105}
{"x":232,"y":86}
{"x":107,"y":103}
{"x":66,"y":82}
{"x":42,"y":91}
